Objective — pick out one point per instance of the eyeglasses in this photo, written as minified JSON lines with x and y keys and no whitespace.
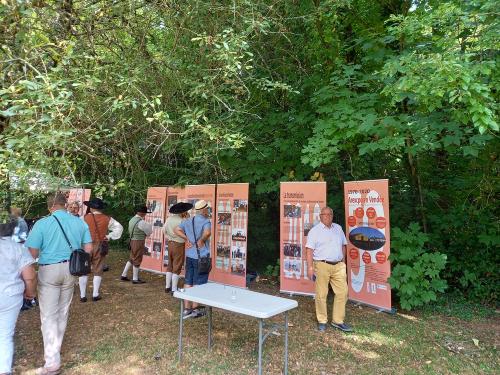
{"x":325,"y":214}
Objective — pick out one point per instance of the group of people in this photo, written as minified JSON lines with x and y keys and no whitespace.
{"x":54,"y":237}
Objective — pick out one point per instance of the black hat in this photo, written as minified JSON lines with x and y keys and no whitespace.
{"x":142,"y":210}
{"x":95,"y":203}
{"x":180,"y":208}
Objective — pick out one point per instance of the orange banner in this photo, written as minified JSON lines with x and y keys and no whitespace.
{"x":79,"y":195}
{"x":368,"y":236}
{"x":153,"y":257}
{"x":300,"y":206}
{"x":231,"y":221}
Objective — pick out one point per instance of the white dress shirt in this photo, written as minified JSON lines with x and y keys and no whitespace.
{"x":326,"y":243}
{"x":114,"y":227}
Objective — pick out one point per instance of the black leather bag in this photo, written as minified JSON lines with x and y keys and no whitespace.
{"x":204,"y":263}
{"x":79,"y":261}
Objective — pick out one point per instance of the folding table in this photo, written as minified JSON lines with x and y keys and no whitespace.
{"x":242,"y":301}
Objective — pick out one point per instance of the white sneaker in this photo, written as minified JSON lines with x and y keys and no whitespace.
{"x":188,"y":314}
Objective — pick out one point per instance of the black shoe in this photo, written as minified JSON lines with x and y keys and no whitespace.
{"x":168,"y":290}
{"x":105,"y":268}
{"x":96,"y":298}
{"x":124,"y":278}
{"x":83,"y":299}
{"x":26,"y":305}
{"x":139,"y":281}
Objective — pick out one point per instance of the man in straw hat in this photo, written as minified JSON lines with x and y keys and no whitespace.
{"x":55,"y":283}
{"x":102,"y":229}
{"x":196,"y":232}
{"x":176,"y":246}
{"x":138,"y":229}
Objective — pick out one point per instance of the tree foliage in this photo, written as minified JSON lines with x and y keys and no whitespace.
{"x":127,"y":94}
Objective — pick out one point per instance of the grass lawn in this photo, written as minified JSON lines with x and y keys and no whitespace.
{"x":134,"y":330}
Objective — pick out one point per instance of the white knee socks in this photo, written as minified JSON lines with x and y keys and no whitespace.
{"x":96,"y":284}
{"x":135,"y":273}
{"x":168,"y":280}
{"x":127,"y":267}
{"x":175,"y":280}
{"x":82,"y":281}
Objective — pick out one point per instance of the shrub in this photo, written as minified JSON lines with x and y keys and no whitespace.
{"x":416,"y":271}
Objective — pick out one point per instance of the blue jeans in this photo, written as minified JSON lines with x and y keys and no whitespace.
{"x":192,"y":276}
{"x":9,"y":310}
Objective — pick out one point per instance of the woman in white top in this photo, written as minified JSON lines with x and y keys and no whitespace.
{"x":17,"y":279}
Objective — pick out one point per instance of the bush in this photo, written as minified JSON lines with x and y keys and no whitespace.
{"x":416,"y":271}
{"x":273,"y":270}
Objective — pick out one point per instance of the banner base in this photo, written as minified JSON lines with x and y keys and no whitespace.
{"x":289,"y":292}
{"x":391,"y":311}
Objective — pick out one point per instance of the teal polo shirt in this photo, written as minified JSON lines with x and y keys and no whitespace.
{"x":47,"y":236}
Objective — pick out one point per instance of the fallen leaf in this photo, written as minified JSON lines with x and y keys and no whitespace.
{"x":476,"y":342}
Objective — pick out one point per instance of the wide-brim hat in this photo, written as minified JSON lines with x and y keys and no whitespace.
{"x":180,"y":208}
{"x":95,"y":203}
{"x":142,"y":210}
{"x":200,"y":205}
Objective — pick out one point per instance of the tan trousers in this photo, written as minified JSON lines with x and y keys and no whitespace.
{"x":176,"y":255}
{"x":136,"y":252}
{"x":55,"y":292}
{"x":336,"y":276}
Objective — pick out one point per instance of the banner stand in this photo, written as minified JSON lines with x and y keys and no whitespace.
{"x":379,"y":309}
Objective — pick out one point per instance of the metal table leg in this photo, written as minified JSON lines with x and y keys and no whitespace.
{"x":260,"y":345}
{"x":286,"y":343}
{"x":209,"y":316}
{"x":180,"y":331}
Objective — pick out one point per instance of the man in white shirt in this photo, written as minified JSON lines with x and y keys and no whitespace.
{"x":326,"y":250}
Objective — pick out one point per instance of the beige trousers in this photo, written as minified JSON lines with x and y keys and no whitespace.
{"x":55,"y":292}
{"x":336,"y":276}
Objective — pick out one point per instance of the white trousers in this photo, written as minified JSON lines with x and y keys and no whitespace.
{"x":55,"y":292}
{"x":9,"y":310}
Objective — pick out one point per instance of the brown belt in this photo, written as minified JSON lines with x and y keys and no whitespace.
{"x":328,"y":262}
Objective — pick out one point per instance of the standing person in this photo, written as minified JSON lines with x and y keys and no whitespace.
{"x":176,"y":244}
{"x":55,"y":283}
{"x":138,"y":229}
{"x":326,"y":250}
{"x":74,"y":208}
{"x":102,"y":229}
{"x":21,"y":230}
{"x":196,"y":232}
{"x":17,"y":278}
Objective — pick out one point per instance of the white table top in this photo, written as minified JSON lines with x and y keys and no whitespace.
{"x":238,"y":300}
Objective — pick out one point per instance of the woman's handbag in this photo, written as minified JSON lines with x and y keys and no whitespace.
{"x":204,"y":263}
{"x":79,"y":261}
{"x":103,"y":244}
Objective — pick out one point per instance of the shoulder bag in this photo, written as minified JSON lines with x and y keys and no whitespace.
{"x":103,"y":244}
{"x":131,"y":234}
{"x":204,"y":263}
{"x":79,"y":261}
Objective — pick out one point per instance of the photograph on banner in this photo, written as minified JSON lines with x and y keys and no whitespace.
{"x":300,"y":207}
{"x":368,"y":236}
{"x":154,"y":246}
{"x":78,"y":196}
{"x":231,"y":234}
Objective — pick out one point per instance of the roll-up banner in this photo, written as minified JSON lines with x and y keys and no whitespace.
{"x":368,"y":236}
{"x":231,"y":222}
{"x":79,"y":195}
{"x":153,"y":254}
{"x":191,"y":194}
{"x":300,"y":206}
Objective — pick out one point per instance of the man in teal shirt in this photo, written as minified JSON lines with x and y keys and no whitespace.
{"x":55,"y":284}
